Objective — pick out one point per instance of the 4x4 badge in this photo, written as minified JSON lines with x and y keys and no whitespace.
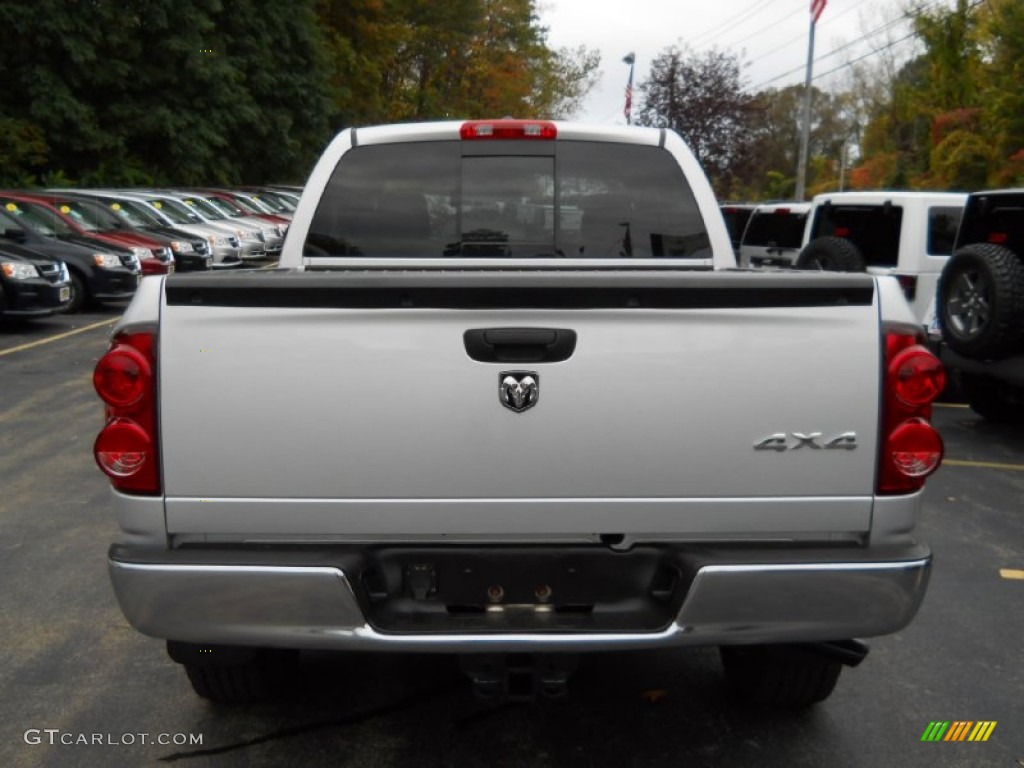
{"x":518,"y":390}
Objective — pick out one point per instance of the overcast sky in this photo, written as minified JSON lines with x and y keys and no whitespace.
{"x":772,"y":34}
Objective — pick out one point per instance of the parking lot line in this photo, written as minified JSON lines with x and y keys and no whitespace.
{"x":983,"y":464}
{"x":1012,"y":573}
{"x":58,"y":337}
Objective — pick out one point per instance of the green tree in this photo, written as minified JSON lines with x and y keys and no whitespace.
{"x":167,"y":91}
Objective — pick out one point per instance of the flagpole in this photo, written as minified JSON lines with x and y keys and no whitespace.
{"x":630,"y":58}
{"x":805,"y":128}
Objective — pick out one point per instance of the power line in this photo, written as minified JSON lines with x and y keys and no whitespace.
{"x":848,"y":45}
{"x":716,"y":31}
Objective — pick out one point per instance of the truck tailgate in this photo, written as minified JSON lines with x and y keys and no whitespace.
{"x":298,"y":404}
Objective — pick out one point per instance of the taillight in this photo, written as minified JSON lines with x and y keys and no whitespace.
{"x":508,"y":129}
{"x":909,"y":285}
{"x":126,"y":447}
{"x":910,"y":447}
{"x":998,"y":238}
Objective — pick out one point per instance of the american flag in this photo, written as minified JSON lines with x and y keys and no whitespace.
{"x":630,"y":59}
{"x":817,"y":7}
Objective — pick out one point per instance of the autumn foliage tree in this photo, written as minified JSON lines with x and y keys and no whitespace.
{"x":121,"y":92}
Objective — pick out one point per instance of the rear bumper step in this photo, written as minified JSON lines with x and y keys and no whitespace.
{"x":316,"y":600}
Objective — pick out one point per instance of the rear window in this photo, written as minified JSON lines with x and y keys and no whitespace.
{"x":943,"y":223}
{"x":781,"y":228}
{"x":736,"y":218}
{"x":565,"y":199}
{"x":997,"y":218}
{"x":874,"y":229}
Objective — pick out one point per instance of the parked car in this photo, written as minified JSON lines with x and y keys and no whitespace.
{"x":31,"y":285}
{"x":40,"y":210}
{"x":98,"y":272}
{"x":773,"y":235}
{"x":908,"y":235}
{"x":514,"y":441}
{"x":271,"y":227}
{"x":190,"y":253}
{"x":736,"y":216}
{"x":281,"y":203}
{"x":135,"y":211}
{"x":980,"y":305}
{"x":251,"y":241}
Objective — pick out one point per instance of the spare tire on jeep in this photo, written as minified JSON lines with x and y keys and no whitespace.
{"x":981,"y":301}
{"x":831,"y":254}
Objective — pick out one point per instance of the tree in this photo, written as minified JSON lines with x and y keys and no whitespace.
{"x":397,"y":60}
{"x":701,"y":97}
{"x":165,"y":91}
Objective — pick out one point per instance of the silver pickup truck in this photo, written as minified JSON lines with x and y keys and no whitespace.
{"x":496,"y":403}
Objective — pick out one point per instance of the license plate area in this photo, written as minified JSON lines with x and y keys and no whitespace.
{"x":65,"y":293}
{"x":522,"y":589}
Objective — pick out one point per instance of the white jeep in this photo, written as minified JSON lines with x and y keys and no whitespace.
{"x":906,"y":234}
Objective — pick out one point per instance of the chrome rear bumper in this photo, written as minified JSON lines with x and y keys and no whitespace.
{"x":315,"y":606}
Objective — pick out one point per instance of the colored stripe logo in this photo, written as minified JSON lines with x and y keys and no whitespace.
{"x":958,"y":730}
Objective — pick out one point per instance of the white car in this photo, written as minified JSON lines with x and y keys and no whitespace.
{"x":773,"y":235}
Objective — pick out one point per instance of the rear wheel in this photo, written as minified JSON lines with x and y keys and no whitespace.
{"x":981,"y":301}
{"x":231,"y":675}
{"x":831,"y":254}
{"x":786,"y":675}
{"x":993,"y":400}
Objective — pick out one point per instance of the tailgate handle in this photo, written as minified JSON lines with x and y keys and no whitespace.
{"x":520,"y":345}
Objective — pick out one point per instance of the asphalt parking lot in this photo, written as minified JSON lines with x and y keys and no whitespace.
{"x":72,"y":667}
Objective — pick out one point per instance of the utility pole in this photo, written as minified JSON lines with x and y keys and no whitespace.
{"x":817,"y":8}
{"x":805,"y":126}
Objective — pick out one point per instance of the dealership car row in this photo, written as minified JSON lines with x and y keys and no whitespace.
{"x":62,"y":249}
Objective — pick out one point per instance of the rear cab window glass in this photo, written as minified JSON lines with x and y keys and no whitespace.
{"x":782,"y":228}
{"x":942,"y":226}
{"x":508,"y":200}
{"x":874,"y":229}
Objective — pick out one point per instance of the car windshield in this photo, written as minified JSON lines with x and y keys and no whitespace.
{"x":225,"y":207}
{"x":173,"y":210}
{"x":205,"y":208}
{"x":38,"y":218}
{"x":274,"y":203}
{"x":134,"y":214}
{"x":88,"y":215}
{"x":566,"y":200}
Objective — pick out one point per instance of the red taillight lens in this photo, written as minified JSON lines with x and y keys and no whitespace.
{"x":917,"y":376}
{"x":998,"y":238}
{"x":914,"y":448}
{"x":126,"y":447}
{"x":909,"y":285}
{"x":910,"y":448}
{"x":841,"y":232}
{"x":508,"y":129}
{"x":123,"y":448}
{"x":122,"y":376}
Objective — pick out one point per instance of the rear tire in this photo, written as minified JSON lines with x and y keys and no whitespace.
{"x":785,"y":675}
{"x":831,"y":254}
{"x":259,"y":679}
{"x":993,"y":400}
{"x":981,"y":301}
